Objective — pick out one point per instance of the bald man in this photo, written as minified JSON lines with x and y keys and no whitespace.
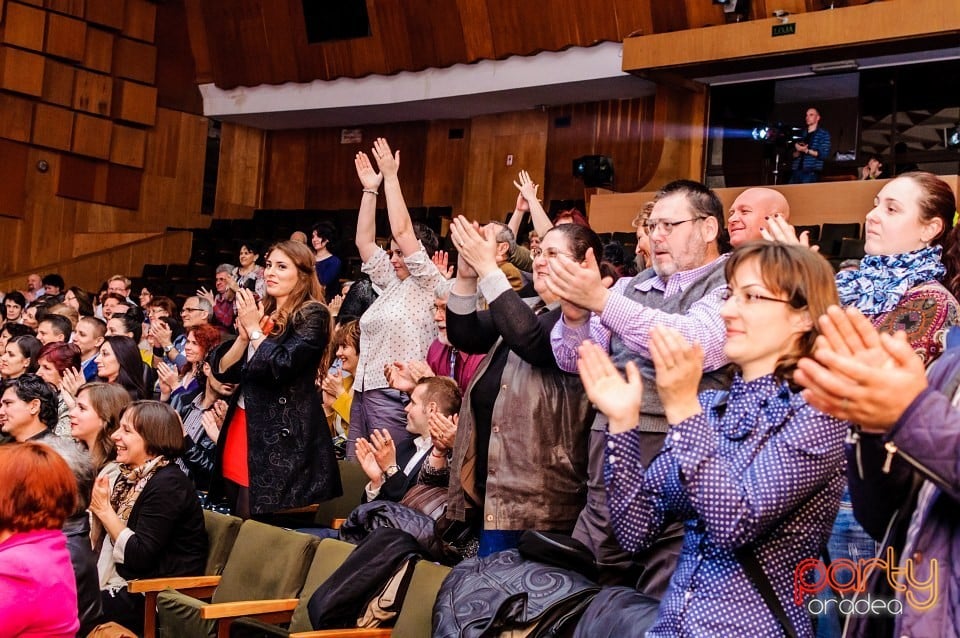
{"x":749,"y":212}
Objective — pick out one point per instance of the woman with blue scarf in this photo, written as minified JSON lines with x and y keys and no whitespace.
{"x":906,"y":280}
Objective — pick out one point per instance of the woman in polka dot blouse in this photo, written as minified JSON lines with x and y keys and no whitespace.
{"x":755,"y":467}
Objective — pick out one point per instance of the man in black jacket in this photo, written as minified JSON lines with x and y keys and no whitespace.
{"x":388,"y":479}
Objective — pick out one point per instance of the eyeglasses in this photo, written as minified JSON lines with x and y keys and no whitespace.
{"x":191,"y":310}
{"x":549,"y":253}
{"x":665,"y":227}
{"x":748,"y":298}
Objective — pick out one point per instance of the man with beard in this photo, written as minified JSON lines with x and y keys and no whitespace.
{"x":683,"y":290}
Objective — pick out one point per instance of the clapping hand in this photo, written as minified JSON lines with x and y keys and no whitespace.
{"x":476,"y":246}
{"x":71,"y":382}
{"x":617,"y":398}
{"x":679,"y":367}
{"x":443,"y":431}
{"x":332,"y":384}
{"x":249,"y":312}
{"x":858,"y":374}
{"x":206,"y":294}
{"x":212,"y":419}
{"x":579,"y":284}
{"x":377,"y":454}
{"x":167,"y":375}
{"x":100,"y":498}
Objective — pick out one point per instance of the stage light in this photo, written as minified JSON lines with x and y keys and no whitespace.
{"x":951,"y":137}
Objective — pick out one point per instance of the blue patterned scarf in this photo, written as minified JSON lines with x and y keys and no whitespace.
{"x":882,"y":280}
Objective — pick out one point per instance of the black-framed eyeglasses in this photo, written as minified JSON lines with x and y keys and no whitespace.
{"x":192,"y":309}
{"x":664,"y":226}
{"x":748,"y":298}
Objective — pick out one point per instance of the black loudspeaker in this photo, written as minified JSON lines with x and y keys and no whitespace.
{"x":341,"y":20}
{"x":594,"y":170}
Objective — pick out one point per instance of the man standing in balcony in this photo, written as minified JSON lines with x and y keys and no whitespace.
{"x":809,"y":153}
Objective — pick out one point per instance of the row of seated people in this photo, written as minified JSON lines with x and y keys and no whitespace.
{"x":660,"y":488}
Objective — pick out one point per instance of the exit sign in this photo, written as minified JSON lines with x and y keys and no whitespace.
{"x":784,"y":29}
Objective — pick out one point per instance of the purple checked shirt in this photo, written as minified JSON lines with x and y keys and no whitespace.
{"x":632,"y":321}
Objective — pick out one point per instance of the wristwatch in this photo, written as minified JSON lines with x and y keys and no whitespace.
{"x":391,"y":470}
{"x":167,"y":349}
{"x":256,"y":335}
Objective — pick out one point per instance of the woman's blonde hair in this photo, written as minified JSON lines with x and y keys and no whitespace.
{"x":108,"y":400}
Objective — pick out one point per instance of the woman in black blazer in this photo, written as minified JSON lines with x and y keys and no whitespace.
{"x":275,"y":449}
{"x":150,"y":520}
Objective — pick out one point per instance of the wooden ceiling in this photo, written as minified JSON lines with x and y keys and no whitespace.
{"x":251,"y":42}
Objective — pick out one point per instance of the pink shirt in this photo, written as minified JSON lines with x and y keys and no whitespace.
{"x":38,"y":590}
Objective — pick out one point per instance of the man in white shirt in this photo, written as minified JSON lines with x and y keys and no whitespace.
{"x":378,"y":455}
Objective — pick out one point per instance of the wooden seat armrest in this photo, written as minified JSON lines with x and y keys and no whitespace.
{"x":247,"y":608}
{"x":376,"y":632}
{"x":176,"y":582}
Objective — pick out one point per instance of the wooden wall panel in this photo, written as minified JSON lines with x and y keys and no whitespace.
{"x":488,"y":188}
{"x":17,"y":117}
{"x":58,"y":82}
{"x":446,"y":163}
{"x":25,"y":26}
{"x":140,"y":20}
{"x":107,"y":13}
{"x":13,"y":166}
{"x":242,"y":151}
{"x":53,"y":127}
{"x":21,"y":71}
{"x":178,"y":74}
{"x":286,"y":170}
{"x":99,"y":52}
{"x":66,"y":37}
{"x":75,"y":8}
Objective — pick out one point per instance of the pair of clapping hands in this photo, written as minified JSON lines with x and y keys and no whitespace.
{"x":856,"y":374}
{"x":379,"y":452}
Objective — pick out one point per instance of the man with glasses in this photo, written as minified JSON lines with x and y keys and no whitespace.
{"x":196,"y":311}
{"x":682,"y":290}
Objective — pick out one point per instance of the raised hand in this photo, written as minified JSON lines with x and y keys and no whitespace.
{"x":617,"y":398}
{"x":779,"y":230}
{"x":441,"y":259}
{"x":443,"y":430}
{"x":206,"y":294}
{"x":387,"y":161}
{"x":369,"y":178}
{"x":162,"y":333}
{"x":528,"y":190}
{"x":679,"y":367}
{"x":335,"y":304}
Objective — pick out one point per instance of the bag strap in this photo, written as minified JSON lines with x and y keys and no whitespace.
{"x":759,"y":579}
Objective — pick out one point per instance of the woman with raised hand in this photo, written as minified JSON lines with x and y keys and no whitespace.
{"x":520,"y":457}
{"x":754,"y":472}
{"x":399,"y":325}
{"x":275,"y":450}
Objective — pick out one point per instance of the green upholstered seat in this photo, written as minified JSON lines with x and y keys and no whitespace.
{"x":222,"y":530}
{"x":353,"y":479}
{"x":266,"y":562}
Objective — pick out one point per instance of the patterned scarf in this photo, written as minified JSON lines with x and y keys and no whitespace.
{"x":882,"y":280}
{"x":130,"y":483}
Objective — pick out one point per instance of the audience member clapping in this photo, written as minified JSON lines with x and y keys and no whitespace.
{"x":53,"y":360}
